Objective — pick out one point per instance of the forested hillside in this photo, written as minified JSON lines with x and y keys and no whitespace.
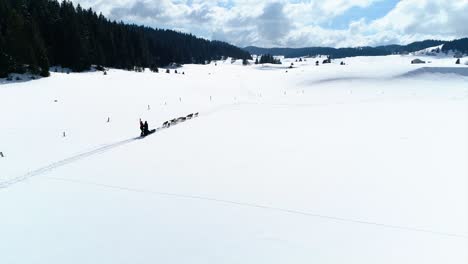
{"x":456,"y":45}
{"x":37,"y":33}
{"x":412,"y":47}
{"x":460,"y":45}
{"x":313,"y":51}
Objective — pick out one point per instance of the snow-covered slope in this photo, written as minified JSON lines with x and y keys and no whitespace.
{"x":436,"y":51}
{"x":361,"y":163}
{"x":431,"y":51}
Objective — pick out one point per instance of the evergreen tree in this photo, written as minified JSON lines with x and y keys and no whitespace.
{"x":268,"y":58}
{"x":37,"y":33}
{"x":154,"y":68}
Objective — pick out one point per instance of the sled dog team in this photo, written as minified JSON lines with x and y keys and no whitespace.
{"x":178,"y":120}
{"x":144,"y":125}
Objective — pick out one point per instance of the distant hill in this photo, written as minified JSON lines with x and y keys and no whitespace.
{"x":460,"y":45}
{"x":415,"y":46}
{"x":456,"y":45}
{"x":37,"y":33}
{"x":300,"y":52}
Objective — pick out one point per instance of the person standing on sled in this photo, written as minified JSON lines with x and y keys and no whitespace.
{"x":142,"y":128}
{"x":145,"y":128}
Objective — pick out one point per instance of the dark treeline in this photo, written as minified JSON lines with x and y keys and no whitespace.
{"x":412,"y":47}
{"x":37,"y":33}
{"x":460,"y":45}
{"x":267,"y":58}
{"x":456,"y":45}
{"x":299,"y":52}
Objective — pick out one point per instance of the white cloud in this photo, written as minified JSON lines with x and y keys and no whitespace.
{"x":426,"y":17}
{"x":294,"y":23}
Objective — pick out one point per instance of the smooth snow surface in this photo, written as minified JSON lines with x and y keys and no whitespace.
{"x":363,"y":163}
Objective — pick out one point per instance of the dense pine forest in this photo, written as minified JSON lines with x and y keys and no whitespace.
{"x":35,"y":34}
{"x":460,"y":45}
{"x":267,"y":58}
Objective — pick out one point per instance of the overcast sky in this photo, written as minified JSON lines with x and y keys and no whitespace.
{"x":297,"y":23}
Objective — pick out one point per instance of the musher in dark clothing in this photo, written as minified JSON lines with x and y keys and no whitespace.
{"x":145,"y":128}
{"x":142,"y":128}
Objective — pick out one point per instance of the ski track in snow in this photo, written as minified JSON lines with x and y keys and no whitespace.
{"x":260,"y":206}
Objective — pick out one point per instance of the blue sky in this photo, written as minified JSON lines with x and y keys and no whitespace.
{"x":297,"y":23}
{"x":372,"y":12}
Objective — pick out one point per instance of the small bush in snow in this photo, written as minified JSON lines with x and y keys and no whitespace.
{"x":154,"y":69}
{"x":138,"y":69}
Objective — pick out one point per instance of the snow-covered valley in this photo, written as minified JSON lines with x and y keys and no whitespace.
{"x":362,"y":163}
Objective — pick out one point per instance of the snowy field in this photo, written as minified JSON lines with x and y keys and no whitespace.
{"x":363,"y":163}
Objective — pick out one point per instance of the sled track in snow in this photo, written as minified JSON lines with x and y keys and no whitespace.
{"x":99,"y":150}
{"x":57,"y":164}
